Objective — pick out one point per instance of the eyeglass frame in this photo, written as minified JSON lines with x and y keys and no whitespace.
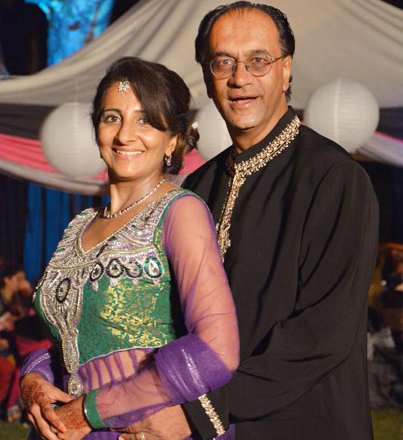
{"x":235,"y":66}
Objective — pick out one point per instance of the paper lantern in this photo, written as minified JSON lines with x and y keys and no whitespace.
{"x":68,"y":141}
{"x":214,"y":136}
{"x":343,"y":111}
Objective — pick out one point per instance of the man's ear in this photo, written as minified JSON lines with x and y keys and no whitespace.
{"x":287,"y":65}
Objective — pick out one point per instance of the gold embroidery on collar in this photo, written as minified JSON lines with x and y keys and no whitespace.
{"x":240,"y":171}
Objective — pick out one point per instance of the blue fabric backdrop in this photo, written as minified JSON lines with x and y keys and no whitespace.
{"x":49,"y":212}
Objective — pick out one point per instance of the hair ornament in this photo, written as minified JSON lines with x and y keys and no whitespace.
{"x":123,"y":86}
{"x":195,"y":125}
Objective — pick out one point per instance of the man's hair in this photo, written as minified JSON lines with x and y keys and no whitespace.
{"x":286,"y":35}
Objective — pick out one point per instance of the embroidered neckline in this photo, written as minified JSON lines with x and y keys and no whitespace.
{"x":61,"y":298}
{"x":241,"y":170}
{"x":95,"y":212}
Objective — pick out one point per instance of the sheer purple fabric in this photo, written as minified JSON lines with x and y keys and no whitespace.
{"x":138,"y":382}
{"x":39,"y":362}
{"x":189,"y":368}
{"x":190,"y":243}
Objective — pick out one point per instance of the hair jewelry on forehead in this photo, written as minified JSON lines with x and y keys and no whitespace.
{"x":123,"y":86}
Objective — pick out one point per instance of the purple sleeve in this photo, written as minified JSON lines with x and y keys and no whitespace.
{"x":204,"y":359}
{"x":188,"y":368}
{"x":40,"y":362}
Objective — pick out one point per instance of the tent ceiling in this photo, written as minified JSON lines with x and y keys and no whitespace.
{"x":356,"y":39}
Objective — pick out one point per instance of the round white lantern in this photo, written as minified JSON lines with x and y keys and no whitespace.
{"x":214,"y":136}
{"x":343,"y":111}
{"x":68,"y":141}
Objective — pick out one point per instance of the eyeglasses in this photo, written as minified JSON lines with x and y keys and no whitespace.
{"x":224,"y":67}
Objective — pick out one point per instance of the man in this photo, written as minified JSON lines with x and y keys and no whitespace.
{"x":297,"y":224}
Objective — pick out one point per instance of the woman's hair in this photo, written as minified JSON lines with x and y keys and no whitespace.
{"x":164,"y":97}
{"x":7,"y":270}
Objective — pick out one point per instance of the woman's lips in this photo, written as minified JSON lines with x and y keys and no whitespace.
{"x":128,"y":154}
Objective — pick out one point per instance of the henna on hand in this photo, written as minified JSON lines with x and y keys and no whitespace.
{"x":32,"y":393}
{"x":72,"y":414}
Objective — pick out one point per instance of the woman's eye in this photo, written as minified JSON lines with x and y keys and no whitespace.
{"x":142,"y":121}
{"x":110,"y":119}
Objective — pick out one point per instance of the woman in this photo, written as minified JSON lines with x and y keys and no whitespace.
{"x":135,"y":294}
{"x":12,"y":284}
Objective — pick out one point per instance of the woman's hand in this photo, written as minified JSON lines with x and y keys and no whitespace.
{"x":73,"y":418}
{"x":38,"y":396}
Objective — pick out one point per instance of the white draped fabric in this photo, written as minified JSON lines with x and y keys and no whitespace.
{"x":383,"y":148}
{"x":356,"y":39}
{"x":360,"y":40}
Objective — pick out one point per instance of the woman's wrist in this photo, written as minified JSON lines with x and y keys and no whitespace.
{"x":91,"y":410}
{"x":73,"y":415}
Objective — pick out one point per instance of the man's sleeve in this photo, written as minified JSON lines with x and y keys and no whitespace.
{"x":338,"y":252}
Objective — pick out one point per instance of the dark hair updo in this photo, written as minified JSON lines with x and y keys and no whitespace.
{"x":164,"y":97}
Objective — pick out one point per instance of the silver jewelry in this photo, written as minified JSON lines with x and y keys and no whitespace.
{"x":123,"y":86}
{"x":168,"y":160}
{"x":107,"y":216}
{"x":142,"y":436}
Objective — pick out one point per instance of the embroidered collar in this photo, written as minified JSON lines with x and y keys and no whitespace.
{"x":242,"y":165}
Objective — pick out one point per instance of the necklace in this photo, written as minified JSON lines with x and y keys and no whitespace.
{"x":132,"y":205}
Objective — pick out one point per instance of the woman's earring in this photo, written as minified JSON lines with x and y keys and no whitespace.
{"x":168,"y":160}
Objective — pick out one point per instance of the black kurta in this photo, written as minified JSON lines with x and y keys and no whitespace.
{"x":304,"y":237}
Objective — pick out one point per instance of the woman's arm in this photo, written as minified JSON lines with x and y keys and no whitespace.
{"x":39,"y":393}
{"x":39,"y":396}
{"x":198,"y":362}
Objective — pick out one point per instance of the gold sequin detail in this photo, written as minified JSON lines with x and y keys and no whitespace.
{"x":240,"y":171}
{"x":211,"y":413}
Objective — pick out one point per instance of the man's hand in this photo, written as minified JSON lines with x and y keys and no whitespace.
{"x":167,"y":424}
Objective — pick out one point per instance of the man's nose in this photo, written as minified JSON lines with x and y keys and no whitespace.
{"x":240,"y":75}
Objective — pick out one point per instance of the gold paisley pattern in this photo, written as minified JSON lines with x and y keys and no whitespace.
{"x":114,"y":296}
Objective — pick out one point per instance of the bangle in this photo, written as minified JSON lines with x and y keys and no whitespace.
{"x":91,"y":410}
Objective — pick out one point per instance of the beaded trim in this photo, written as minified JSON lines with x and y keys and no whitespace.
{"x":36,"y":367}
{"x":30,"y":369}
{"x":70,"y":268}
{"x":211,"y":413}
{"x":240,"y":171}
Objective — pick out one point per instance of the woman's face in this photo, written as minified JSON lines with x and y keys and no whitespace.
{"x":23,"y":285}
{"x":130,"y":146}
{"x":11,"y":283}
{"x":17,"y":282}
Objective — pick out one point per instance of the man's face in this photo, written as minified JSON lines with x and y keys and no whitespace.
{"x":251,"y":106}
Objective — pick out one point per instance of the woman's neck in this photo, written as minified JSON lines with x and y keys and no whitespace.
{"x":124,"y":193}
